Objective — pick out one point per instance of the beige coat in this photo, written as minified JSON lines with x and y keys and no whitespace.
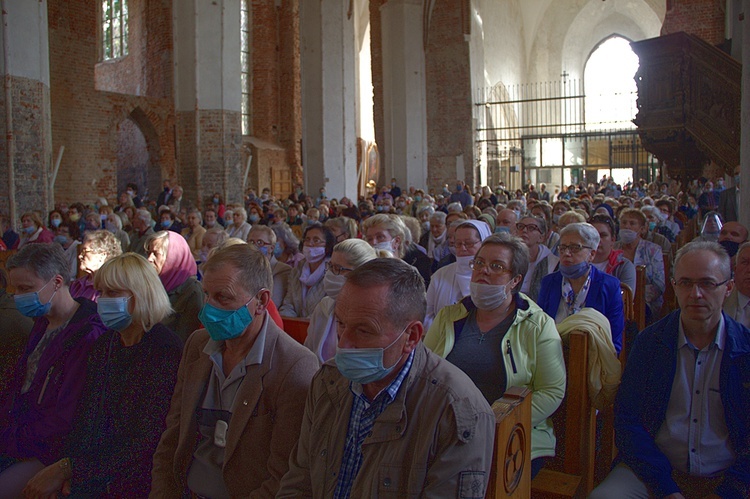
{"x":194,"y":240}
{"x":434,"y":440}
{"x":265,"y":420}
{"x":293,"y":305}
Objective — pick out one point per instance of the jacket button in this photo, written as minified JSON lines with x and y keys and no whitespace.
{"x":323,"y":452}
{"x":386,"y":482}
{"x":244,"y":402}
{"x":467,"y":433}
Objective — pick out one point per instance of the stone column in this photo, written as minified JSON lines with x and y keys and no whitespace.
{"x":744,"y":213}
{"x":405,"y":111}
{"x":26,"y":147}
{"x":327,"y":53}
{"x":208,"y":99}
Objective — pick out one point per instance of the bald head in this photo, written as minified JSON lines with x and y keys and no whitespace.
{"x":507,"y":218}
{"x":733,"y":231}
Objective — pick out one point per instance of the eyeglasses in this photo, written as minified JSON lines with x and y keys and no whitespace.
{"x":495,"y":267}
{"x":336,"y":269}
{"x":687,"y":284}
{"x":528,"y":227}
{"x":573,"y":248}
{"x":315,"y":241}
{"x":465,"y":244}
{"x":259,"y":243}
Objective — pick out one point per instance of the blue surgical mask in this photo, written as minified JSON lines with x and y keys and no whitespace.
{"x":651,"y":226}
{"x":574,"y":271}
{"x":264,"y":251}
{"x":30,"y":306}
{"x":215,"y":200}
{"x":277,"y":250}
{"x":56,"y":222}
{"x":63,"y":240}
{"x":225,"y":324}
{"x":500,"y":229}
{"x":166,"y":224}
{"x":114,"y":312}
{"x":30,"y":229}
{"x":253,"y":218}
{"x":364,"y":365}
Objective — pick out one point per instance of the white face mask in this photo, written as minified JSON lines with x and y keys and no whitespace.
{"x":627,"y":236}
{"x":313,"y":255}
{"x":462,"y":265}
{"x":488,"y":296}
{"x":333,"y":283}
{"x":385,"y":245}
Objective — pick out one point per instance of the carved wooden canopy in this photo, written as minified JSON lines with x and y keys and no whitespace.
{"x":688,"y":104}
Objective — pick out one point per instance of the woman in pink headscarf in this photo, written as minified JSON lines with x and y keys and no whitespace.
{"x":170,"y":254}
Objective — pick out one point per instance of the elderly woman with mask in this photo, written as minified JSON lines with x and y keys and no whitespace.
{"x":33,"y":230}
{"x":450,"y":284}
{"x":533,"y":232}
{"x":579,"y":284}
{"x":239,"y":228}
{"x":607,"y":258}
{"x":434,"y":239}
{"x":264,"y":239}
{"x":347,"y":256}
{"x":170,"y":255}
{"x":501,"y":338}
{"x":305,"y":287}
{"x":194,"y":232}
{"x":642,"y":252}
{"x":97,"y":247}
{"x":113,"y":223}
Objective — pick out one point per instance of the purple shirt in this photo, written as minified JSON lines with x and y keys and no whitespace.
{"x":83,"y":287}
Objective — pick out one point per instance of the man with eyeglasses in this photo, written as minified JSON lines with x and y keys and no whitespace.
{"x":264,"y":239}
{"x":682,"y":415}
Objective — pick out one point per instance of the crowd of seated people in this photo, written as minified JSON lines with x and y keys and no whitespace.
{"x":448,"y":297}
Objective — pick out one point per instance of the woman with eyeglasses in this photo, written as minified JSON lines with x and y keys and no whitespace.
{"x":533,"y":232}
{"x":450,"y":284}
{"x":131,"y":373}
{"x":347,"y":256}
{"x":501,"y":338}
{"x":264,"y":239}
{"x":578,"y":284}
{"x":607,"y":258}
{"x":97,"y":247}
{"x":305,"y":286}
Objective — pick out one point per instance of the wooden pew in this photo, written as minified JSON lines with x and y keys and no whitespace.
{"x":296,"y":328}
{"x":639,"y":301}
{"x":627,"y":302}
{"x":670,"y":299}
{"x":571,"y":472}
{"x":510,"y":476}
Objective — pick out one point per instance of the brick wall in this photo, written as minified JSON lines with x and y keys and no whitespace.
{"x":449,"y":106}
{"x":86,"y":120}
{"x":703,"y":18}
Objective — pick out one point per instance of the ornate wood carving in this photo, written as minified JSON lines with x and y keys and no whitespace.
{"x":688,"y":103}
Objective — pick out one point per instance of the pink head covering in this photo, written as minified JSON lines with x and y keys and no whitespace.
{"x":180,"y":263}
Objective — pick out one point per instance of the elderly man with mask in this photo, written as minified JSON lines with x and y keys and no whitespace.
{"x":506,"y":221}
{"x":737,"y":305}
{"x":682,"y":414}
{"x":387,"y":416}
{"x":450,"y":284}
{"x":238,"y":403}
{"x":731,"y":236}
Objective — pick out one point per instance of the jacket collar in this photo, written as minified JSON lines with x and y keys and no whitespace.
{"x":737,"y":336}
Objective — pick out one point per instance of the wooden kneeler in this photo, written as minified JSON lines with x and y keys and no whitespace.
{"x":510,"y":475}
{"x":571,"y":472}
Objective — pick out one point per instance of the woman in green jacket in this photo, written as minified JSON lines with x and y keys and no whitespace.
{"x":501,"y":338}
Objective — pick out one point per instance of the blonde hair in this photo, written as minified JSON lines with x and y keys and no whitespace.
{"x":392,"y":224}
{"x":132,"y":272}
{"x":414,"y":226}
{"x":356,"y":251}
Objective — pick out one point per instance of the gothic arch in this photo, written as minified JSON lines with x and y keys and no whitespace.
{"x":138,"y":151}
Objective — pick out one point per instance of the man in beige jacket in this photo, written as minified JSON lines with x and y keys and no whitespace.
{"x":241,"y":385}
{"x":387,"y":417}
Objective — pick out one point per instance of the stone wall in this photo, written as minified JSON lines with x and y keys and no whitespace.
{"x":703,"y":18}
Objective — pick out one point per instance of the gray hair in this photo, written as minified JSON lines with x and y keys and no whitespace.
{"x":455,"y":207}
{"x":144,"y":215}
{"x":588,"y":234}
{"x":347,"y":225}
{"x":263,"y":229}
{"x":725,"y":263}
{"x":117,"y":219}
{"x":162,"y":236}
{"x":540,"y":221}
{"x":242,"y":212}
{"x":253,"y":269}
{"x":357,"y":251}
{"x":438,"y":217}
{"x":406,"y":292}
{"x":519,"y":263}
{"x":428,"y":209}
{"x":44,"y":260}
{"x":284,"y":234}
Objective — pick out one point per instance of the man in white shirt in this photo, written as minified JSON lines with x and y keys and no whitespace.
{"x":737,"y":305}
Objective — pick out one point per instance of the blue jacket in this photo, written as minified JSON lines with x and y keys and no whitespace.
{"x":641,"y":405}
{"x":604,"y":296}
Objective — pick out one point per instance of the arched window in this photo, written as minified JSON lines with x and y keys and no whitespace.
{"x":609,"y":85}
{"x":114,"y":28}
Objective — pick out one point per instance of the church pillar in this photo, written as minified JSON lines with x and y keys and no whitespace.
{"x":208,"y":99}
{"x":405,"y":112}
{"x":26,"y":150}
{"x":327,"y":53}
{"x":744,"y":213}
